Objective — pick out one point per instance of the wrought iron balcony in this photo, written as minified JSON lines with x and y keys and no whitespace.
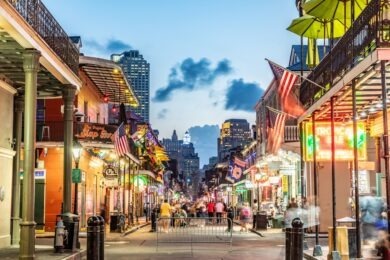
{"x":42,"y":21}
{"x":371,"y":30}
{"x":291,"y":133}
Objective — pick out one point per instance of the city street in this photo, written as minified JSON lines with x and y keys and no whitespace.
{"x":141,"y":244}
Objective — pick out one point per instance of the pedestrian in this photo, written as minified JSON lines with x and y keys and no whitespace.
{"x":210,"y":210}
{"x":255,"y":208}
{"x":230,"y":216}
{"x":165,"y":213}
{"x":219,"y":207}
{"x":245,"y":217}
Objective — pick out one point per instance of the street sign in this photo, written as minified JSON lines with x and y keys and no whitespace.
{"x":76,"y":175}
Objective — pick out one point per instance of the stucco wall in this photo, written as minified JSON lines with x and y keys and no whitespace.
{"x":6,"y":157}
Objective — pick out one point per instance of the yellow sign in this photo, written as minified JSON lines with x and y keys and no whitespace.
{"x":285,"y":183}
{"x":343,"y":141}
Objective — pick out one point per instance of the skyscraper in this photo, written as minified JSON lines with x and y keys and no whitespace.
{"x":137,"y":71}
{"x":234,"y":133}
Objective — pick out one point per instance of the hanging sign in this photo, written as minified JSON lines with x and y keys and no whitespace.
{"x":343,"y":141}
{"x":110,"y":173}
{"x":95,"y":132}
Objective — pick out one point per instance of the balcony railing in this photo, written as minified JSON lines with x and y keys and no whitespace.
{"x":42,"y":21}
{"x":291,"y":134}
{"x":370,"y":31}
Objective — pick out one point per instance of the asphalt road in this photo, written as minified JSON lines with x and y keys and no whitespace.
{"x":142,"y":245}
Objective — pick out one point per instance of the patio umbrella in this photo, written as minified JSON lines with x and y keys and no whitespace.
{"x":316,"y":28}
{"x":334,"y":9}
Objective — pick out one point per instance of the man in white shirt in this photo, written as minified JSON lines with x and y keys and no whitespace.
{"x":219,"y":207}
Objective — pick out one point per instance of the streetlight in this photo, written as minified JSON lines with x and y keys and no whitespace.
{"x":77,"y":148}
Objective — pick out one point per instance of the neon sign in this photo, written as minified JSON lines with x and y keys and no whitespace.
{"x":343,"y":141}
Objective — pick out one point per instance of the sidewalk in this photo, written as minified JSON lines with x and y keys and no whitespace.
{"x":366,"y":253}
{"x":45,"y":252}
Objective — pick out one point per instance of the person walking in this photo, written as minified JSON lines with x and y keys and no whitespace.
{"x":165,"y":213}
{"x":255,"y":208}
{"x":210,"y":210}
{"x":245,"y":217}
{"x":219,"y":207}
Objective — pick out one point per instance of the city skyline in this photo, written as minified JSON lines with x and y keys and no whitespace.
{"x":205,"y":69}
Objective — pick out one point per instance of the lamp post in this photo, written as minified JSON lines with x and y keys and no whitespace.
{"x":77,"y":148}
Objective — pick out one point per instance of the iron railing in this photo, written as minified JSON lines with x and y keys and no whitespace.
{"x":369,"y":31}
{"x":291,"y":133}
{"x":42,"y":21}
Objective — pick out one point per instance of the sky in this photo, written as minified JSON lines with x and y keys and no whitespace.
{"x":207,"y":57}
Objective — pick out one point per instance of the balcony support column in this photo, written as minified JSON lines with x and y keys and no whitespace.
{"x":317,"y":248}
{"x":385,"y":137}
{"x":27,"y":225}
{"x":68,"y":95}
{"x":15,"y":219}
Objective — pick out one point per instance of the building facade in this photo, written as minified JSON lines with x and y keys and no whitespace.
{"x":234,"y":133}
{"x":137,"y":71}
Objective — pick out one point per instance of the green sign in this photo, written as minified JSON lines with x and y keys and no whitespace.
{"x":76,"y":175}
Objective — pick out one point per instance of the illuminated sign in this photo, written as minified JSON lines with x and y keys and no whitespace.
{"x":343,"y":141}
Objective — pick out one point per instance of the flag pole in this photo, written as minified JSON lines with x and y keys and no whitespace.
{"x":304,"y":78}
{"x":279,"y":111}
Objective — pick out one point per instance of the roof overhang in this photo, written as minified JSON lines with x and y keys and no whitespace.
{"x":110,"y":80}
{"x":368,"y":85}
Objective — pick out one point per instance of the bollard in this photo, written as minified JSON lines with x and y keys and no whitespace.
{"x":288,"y":243}
{"x":101,"y":237}
{"x":296,"y":251}
{"x":93,"y":233}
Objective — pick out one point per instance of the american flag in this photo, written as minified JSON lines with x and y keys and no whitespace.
{"x":276,"y":123}
{"x":286,"y":80}
{"x":121,"y":143}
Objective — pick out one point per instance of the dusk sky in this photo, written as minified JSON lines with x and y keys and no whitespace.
{"x":206,"y":56}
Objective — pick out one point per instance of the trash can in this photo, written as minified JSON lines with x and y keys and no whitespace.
{"x":71,"y":223}
{"x":277,"y":221}
{"x":350,"y":223}
{"x":261,"y":221}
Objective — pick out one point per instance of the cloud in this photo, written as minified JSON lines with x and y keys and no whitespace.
{"x":191,"y":75}
{"x":242,"y":96}
{"x":109,"y":47}
{"x":162,"y":114}
{"x":204,"y":139}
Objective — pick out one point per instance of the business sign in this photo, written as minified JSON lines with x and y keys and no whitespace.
{"x":95,"y":132}
{"x":110,"y":172}
{"x":39,"y":174}
{"x":343,"y":141}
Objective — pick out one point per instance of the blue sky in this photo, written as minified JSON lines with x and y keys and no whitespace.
{"x":206,"y":56}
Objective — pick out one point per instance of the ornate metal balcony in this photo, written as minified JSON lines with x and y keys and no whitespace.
{"x":42,"y":21}
{"x":370,"y":31}
{"x":291,"y":133}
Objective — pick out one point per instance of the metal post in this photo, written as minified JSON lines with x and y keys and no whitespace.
{"x":335,"y":254}
{"x":385,"y":138}
{"x":302,"y":162}
{"x":76,"y":193}
{"x":19,"y":104}
{"x":27,"y":225}
{"x":68,"y":95}
{"x":317,"y":248}
{"x":356,"y":170}
{"x":297,"y":234}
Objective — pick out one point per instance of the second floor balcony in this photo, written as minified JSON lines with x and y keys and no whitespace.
{"x":356,"y":58}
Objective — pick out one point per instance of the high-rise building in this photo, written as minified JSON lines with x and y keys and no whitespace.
{"x":184,"y":152}
{"x":235,"y":133}
{"x":137,"y":71}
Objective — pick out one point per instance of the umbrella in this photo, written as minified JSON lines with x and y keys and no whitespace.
{"x":316,"y":28}
{"x":334,"y":9}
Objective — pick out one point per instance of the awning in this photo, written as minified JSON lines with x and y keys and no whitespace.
{"x":109,"y":79}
